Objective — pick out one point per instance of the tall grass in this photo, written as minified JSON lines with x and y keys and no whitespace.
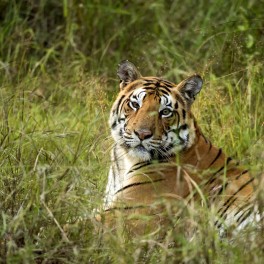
{"x":58,"y":78}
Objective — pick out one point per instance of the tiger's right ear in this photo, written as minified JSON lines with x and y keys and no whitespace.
{"x":127,"y":73}
{"x":190,"y":87}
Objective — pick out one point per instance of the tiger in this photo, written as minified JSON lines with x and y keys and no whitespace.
{"x":161,"y":154}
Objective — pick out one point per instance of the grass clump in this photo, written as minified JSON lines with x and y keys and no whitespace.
{"x":57,"y":82}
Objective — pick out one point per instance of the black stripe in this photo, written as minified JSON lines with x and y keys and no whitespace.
{"x":119,"y":102}
{"x":178,"y":98}
{"x":212,"y":178}
{"x":147,"y":84}
{"x":135,"y":169}
{"x":241,"y":220}
{"x":174,"y":130}
{"x":242,"y":213}
{"x":114,"y":173}
{"x":220,"y":221}
{"x":183,"y":114}
{"x":169,"y":147}
{"x":178,"y":117}
{"x":210,"y":147}
{"x":187,"y":139}
{"x":205,"y":139}
{"x":243,"y":172}
{"x":166,"y":88}
{"x":149,"y":88}
{"x":230,"y":199}
{"x":164,"y":92}
{"x":136,"y":184}
{"x":242,"y":208}
{"x":168,"y":83}
{"x":121,"y":105}
{"x":113,"y":125}
{"x":170,"y":105}
{"x":151,"y":80}
{"x":140,"y":165}
{"x":157,"y":83}
{"x":223,"y":212}
{"x":125,"y":208}
{"x":141,"y":93}
{"x":217,"y":156}
{"x":185,"y":126}
{"x":182,"y":139}
{"x":228,"y":160}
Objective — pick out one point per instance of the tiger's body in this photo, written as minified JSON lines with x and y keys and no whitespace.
{"x":160,"y":152}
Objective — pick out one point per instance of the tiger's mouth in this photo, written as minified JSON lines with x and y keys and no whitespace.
{"x":149,"y":148}
{"x":145,"y":153}
{"x":141,"y":148}
{"x":140,"y":152}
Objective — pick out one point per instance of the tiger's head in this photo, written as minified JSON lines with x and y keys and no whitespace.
{"x":151,"y":117}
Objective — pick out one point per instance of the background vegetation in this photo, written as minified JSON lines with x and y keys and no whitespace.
{"x":57,"y":81}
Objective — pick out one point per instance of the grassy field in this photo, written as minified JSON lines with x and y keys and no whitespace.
{"x":58,"y":64}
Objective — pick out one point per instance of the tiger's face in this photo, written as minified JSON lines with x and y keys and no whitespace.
{"x":151,"y":117}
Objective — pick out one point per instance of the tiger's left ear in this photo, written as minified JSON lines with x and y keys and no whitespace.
{"x":190,"y":87}
{"x":127,"y":73}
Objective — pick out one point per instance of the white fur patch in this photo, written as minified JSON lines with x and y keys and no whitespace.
{"x":140,"y":94}
{"x":165,"y":101}
{"x":184,"y":133}
{"x":139,"y":154}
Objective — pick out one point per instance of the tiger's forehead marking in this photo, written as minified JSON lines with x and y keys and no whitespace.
{"x":139,"y":89}
{"x":154,"y":85}
{"x":138,"y":96}
{"x":164,"y":99}
{"x":157,"y":82}
{"x":151,"y":82}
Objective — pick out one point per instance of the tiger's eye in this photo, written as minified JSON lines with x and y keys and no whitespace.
{"x":166,"y":112}
{"x":134,"y":105}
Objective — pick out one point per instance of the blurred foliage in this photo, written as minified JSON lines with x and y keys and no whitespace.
{"x":158,"y":35}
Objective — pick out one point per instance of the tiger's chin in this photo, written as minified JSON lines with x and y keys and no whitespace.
{"x":140,"y":153}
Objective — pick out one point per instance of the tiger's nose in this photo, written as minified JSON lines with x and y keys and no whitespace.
{"x":143,"y":133}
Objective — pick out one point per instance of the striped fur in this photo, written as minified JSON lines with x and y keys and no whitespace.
{"x":160,"y":153}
